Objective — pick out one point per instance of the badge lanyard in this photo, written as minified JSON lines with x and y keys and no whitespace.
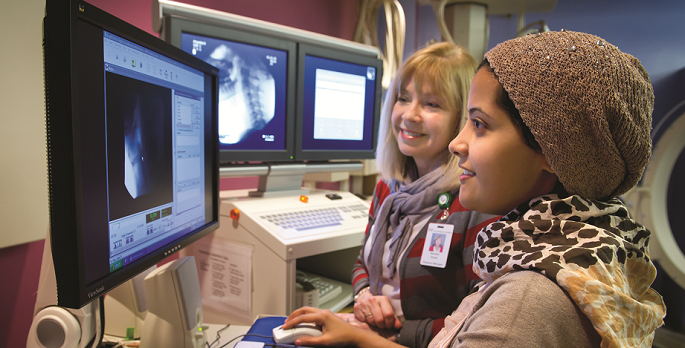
{"x":436,"y":255}
{"x":444,"y":200}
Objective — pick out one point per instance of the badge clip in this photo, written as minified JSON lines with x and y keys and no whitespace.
{"x":444,"y":200}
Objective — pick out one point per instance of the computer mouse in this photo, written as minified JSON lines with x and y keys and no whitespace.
{"x":289,"y":336}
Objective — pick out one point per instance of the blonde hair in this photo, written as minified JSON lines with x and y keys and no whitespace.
{"x":445,"y":68}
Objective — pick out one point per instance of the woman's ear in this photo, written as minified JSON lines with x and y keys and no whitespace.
{"x":549,"y":179}
{"x":544,"y":163}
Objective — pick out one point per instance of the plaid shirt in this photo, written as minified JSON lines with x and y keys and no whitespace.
{"x":429,"y":294}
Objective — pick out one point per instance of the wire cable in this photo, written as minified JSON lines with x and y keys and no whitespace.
{"x":366,"y":32}
{"x":218,"y":336}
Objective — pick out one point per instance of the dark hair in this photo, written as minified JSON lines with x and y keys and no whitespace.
{"x":507,"y":104}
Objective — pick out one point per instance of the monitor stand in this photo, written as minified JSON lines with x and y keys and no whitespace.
{"x":281,"y":180}
{"x":174,"y":307}
{"x":285,"y":179}
{"x":126,"y":307}
{"x":55,"y":326}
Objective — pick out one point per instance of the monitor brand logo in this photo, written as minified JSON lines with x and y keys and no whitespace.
{"x":96,"y":292}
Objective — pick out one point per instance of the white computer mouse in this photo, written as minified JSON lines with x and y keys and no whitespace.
{"x":290,"y":335}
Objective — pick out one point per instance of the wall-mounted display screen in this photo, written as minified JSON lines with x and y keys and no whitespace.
{"x":252,"y":91}
{"x":338,"y":104}
{"x":256,"y":88}
{"x":282,"y":97}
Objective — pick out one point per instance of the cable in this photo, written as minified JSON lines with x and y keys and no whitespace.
{"x":107,"y":343}
{"x":439,"y":10}
{"x":366,"y":33}
{"x":218,"y":336}
{"x":102,"y":319}
{"x":528,"y":29}
{"x":99,"y":315}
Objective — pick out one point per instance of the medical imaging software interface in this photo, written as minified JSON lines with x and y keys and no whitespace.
{"x":252,"y":91}
{"x":338,"y":104}
{"x":155,"y":149}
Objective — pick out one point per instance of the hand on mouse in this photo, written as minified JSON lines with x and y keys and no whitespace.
{"x":376,"y":311}
{"x":336,"y":332}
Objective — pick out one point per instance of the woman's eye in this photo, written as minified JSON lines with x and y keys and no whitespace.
{"x":433,"y":105}
{"x":403,"y":99}
{"x":478,"y":124}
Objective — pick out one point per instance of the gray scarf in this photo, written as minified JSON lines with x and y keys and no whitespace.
{"x":404,"y":207}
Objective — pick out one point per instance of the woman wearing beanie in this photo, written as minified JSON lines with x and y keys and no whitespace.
{"x":398,"y":293}
{"x":558,"y":127}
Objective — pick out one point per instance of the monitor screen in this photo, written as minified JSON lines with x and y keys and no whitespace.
{"x":338,"y":104}
{"x":132,"y":149}
{"x":256,"y":87}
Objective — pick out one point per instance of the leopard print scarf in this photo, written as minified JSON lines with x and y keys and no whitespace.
{"x":593,"y":250}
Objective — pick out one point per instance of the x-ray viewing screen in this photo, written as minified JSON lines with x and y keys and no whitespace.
{"x":252,"y":91}
{"x":338,"y":105}
{"x":155,"y":150}
{"x":132,"y":149}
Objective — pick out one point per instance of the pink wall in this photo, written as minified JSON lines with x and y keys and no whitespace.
{"x":20,"y":265}
{"x":335,"y":18}
{"x":19,"y":271}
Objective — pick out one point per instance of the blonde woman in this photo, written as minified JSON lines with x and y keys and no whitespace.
{"x":396,"y":293}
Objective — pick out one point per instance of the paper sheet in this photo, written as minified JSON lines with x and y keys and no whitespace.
{"x":225,"y":272}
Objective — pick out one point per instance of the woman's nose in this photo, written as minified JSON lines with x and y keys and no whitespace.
{"x":458,"y":146}
{"x":412,"y":113}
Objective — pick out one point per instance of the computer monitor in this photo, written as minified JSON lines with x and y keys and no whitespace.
{"x":338,"y":104}
{"x":257,"y":85}
{"x":132,"y":145}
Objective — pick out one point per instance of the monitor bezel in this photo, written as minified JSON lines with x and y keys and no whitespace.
{"x":306,"y":49}
{"x":65,"y":184}
{"x":172,"y":29}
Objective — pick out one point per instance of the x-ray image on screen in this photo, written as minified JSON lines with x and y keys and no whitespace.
{"x":247,"y":94}
{"x":139,"y":122}
{"x":252,"y":87}
{"x":137,"y":177}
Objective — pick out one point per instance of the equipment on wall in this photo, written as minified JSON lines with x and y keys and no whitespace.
{"x":465,"y":22}
{"x":395,"y":27}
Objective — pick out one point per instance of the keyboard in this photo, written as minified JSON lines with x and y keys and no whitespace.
{"x":315,"y":220}
{"x":328,"y":289}
{"x":306,"y":219}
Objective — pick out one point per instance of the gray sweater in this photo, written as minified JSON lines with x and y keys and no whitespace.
{"x":526,"y":309}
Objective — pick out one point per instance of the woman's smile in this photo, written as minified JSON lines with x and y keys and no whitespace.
{"x":410,"y":135}
{"x":467,"y":174}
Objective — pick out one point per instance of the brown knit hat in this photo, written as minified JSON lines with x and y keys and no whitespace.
{"x":588,"y":105}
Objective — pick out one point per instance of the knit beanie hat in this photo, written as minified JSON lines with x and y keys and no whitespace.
{"x":588,"y":105}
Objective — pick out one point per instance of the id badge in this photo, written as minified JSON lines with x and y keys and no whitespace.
{"x":436,"y":247}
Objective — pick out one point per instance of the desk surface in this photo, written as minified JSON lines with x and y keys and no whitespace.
{"x":233,"y":332}
{"x":226,"y":335}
